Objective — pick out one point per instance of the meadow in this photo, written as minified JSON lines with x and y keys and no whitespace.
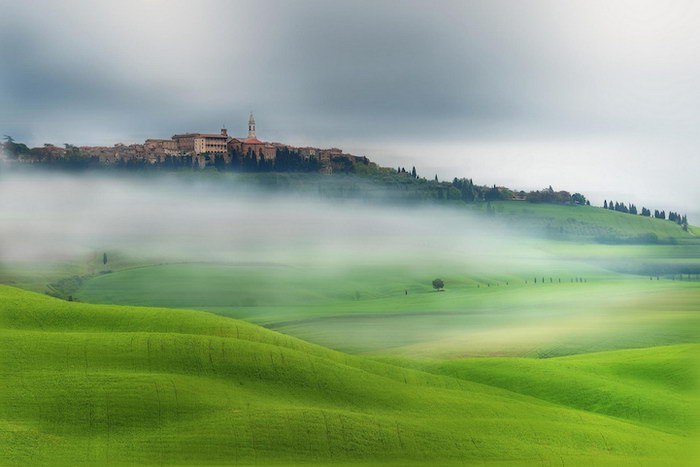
{"x":547,"y":298}
{"x":584,"y":222}
{"x":322,"y":341}
{"x":86,"y":383}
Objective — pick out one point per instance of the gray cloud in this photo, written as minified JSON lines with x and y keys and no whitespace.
{"x":597,"y":79}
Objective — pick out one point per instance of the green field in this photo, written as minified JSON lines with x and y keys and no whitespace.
{"x":540,"y":350}
{"x":393,"y":310}
{"x":87,"y":383}
{"x":583,"y":222}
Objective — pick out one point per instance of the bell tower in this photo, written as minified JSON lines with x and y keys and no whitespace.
{"x":251,"y":126}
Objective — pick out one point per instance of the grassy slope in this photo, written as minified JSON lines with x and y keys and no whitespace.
{"x":89,"y":383}
{"x":578,"y":223}
{"x":610,"y":311}
{"x":652,"y":386}
{"x":584,"y":221}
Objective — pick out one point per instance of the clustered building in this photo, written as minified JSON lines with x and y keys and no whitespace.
{"x":204,"y":148}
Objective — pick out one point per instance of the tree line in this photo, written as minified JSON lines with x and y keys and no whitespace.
{"x":679,"y":219}
{"x":290,"y":160}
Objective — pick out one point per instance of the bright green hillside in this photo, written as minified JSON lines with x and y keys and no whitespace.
{"x":583,"y":222}
{"x":651,"y":385}
{"x":90,"y":383}
{"x":367,"y":310}
{"x":555,"y":349}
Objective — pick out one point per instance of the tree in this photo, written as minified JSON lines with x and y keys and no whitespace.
{"x":104,"y":258}
{"x":12,"y":148}
{"x":578,"y":198}
{"x":413,"y":172}
{"x":605,"y":204}
{"x":438,"y":284}
{"x":493,"y":194}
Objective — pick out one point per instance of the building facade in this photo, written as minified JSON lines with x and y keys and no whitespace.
{"x":203,"y":149}
{"x":200,"y":143}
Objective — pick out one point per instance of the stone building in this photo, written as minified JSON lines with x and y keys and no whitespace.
{"x":161,"y":146}
{"x":200,"y":143}
{"x":267,"y":151}
{"x":204,"y":149}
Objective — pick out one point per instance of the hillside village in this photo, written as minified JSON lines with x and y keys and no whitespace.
{"x":195,"y":150}
{"x":221,"y":151}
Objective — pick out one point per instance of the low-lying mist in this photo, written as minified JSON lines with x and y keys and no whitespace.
{"x":347,"y":274}
{"x":48,"y":217}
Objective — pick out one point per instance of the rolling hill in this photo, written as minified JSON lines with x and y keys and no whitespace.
{"x":587,"y":222}
{"x":384,"y":310}
{"x":85,"y":383}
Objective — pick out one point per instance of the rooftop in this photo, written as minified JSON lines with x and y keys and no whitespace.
{"x":200,"y":135}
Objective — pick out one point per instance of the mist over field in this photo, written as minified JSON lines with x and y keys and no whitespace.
{"x":457,"y":232}
{"x":59,"y":216}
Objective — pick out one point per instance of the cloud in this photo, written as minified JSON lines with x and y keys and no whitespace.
{"x":373,"y":68}
{"x":227,"y":222}
{"x":364,"y":74}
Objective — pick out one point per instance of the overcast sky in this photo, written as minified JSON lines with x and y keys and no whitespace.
{"x":601,"y":97}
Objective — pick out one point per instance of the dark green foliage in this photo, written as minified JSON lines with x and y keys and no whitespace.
{"x":549,"y":196}
{"x":65,"y":288}
{"x":438,"y":284}
{"x":469,"y":192}
{"x":578,"y":198}
{"x":679,"y":219}
{"x":632,"y":209}
{"x":14,"y":149}
{"x":493,"y":194}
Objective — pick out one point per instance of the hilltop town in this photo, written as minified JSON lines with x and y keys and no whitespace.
{"x":195,"y":150}
{"x":222,"y":152}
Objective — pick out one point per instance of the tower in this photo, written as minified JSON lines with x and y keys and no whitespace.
{"x":251,"y":126}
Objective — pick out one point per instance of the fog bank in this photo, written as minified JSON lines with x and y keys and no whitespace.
{"x":60,"y":216}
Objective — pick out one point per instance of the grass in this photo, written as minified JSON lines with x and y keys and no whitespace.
{"x":584,"y":222}
{"x":86,"y":383}
{"x":651,"y":386}
{"x":367,"y":310}
{"x":306,"y":362}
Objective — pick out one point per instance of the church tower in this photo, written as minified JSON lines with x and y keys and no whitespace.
{"x":251,"y":126}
